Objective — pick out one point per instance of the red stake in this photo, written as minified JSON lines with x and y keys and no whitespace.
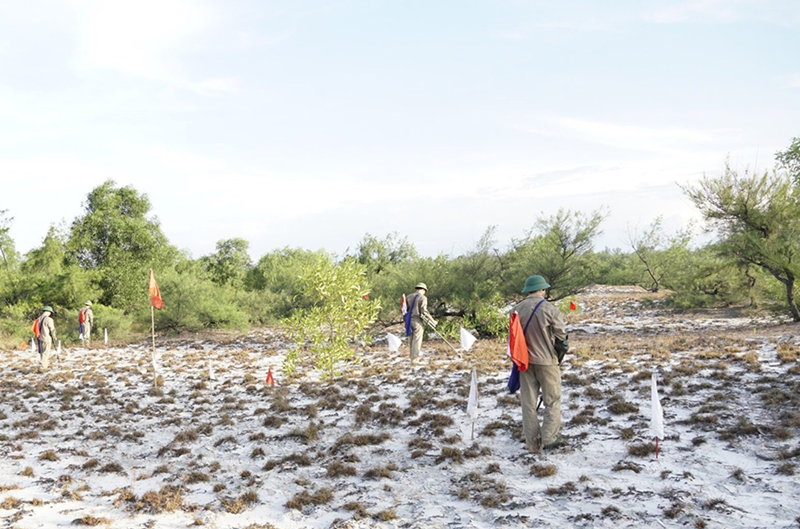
{"x":270,"y":380}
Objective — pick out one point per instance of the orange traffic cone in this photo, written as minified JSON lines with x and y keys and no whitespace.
{"x":270,"y":380}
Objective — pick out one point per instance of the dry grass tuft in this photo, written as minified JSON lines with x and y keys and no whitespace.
{"x":305,"y":498}
{"x":542,"y":471}
{"x":49,"y":455}
{"x":567,"y":488}
{"x":642,"y":449}
{"x":386,"y":515}
{"x":381,"y":472}
{"x":168,"y":499}
{"x":337,"y":468}
{"x":91,"y":521}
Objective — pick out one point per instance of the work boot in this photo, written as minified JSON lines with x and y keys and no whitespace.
{"x":559,"y":442}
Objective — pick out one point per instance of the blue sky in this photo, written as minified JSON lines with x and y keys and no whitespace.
{"x":312,"y":123}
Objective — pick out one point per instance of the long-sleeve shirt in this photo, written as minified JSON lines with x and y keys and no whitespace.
{"x":547,"y":325}
{"x":420,"y":307}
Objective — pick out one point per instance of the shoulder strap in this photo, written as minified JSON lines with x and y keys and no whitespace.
{"x":525,"y":329}
{"x":414,"y":302}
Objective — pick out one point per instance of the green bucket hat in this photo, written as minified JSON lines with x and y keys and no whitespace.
{"x":535,"y":283}
{"x":422,"y":285}
{"x":47,"y":308}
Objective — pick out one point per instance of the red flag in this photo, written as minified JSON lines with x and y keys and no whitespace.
{"x":572,"y":306}
{"x":270,"y":380}
{"x":517,"y":347}
{"x":155,"y":293}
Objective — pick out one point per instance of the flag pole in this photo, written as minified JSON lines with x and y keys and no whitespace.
{"x":153,"y":353}
{"x":442,"y":337}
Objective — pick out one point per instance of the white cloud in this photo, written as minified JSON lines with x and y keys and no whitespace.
{"x":144,"y":38}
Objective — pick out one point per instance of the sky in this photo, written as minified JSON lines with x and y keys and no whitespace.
{"x":311,"y":123}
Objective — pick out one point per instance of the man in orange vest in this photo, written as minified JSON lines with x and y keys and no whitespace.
{"x":85,"y":322}
{"x":543,"y":326}
{"x":45,"y":336}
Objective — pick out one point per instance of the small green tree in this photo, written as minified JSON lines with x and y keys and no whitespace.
{"x":339,"y":313}
{"x":758,"y":222}
{"x":660,"y":256}
{"x":559,"y":249}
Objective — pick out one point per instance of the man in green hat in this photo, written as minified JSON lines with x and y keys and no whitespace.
{"x":47,"y":336}
{"x":418,"y":307}
{"x":85,"y":322}
{"x":542,"y":325}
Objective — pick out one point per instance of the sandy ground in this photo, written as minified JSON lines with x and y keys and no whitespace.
{"x":389,"y":444}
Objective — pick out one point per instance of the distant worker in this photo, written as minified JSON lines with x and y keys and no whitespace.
{"x":416,"y":316}
{"x":85,"y":322}
{"x":545,"y":334}
{"x":45,"y":331}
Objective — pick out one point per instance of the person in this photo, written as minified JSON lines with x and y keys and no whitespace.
{"x":544,"y":331}
{"x":85,"y":322}
{"x":47,"y":336}
{"x":418,"y":309}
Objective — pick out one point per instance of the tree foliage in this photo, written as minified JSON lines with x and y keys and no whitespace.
{"x":339,"y":313}
{"x":559,"y":249}
{"x":230,"y":264}
{"x":660,"y":257}
{"x":116,"y":237}
{"x":757,"y":218}
{"x":789,"y":160}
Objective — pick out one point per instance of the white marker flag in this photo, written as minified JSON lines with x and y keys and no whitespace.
{"x":58,"y":350}
{"x":105,"y":336}
{"x":657,"y":418}
{"x":210,"y":370}
{"x":472,"y":403}
{"x":467,"y":340}
{"x":155,"y":365}
{"x":394,"y":342}
{"x":33,"y":346}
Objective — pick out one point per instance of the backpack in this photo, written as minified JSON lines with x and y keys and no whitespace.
{"x":82,"y":315}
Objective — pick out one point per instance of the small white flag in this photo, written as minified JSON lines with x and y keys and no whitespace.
{"x":394,"y":342}
{"x":657,"y":418}
{"x":210,"y":370}
{"x":58,"y":350}
{"x":105,"y":336}
{"x":404,"y":306}
{"x":33,"y":346}
{"x":155,"y":365}
{"x":467,"y":340}
{"x":472,"y":403}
